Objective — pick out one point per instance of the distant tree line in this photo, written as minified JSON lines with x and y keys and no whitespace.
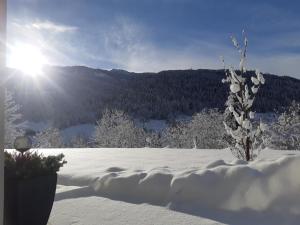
{"x":117,"y":129}
{"x":205,"y":130}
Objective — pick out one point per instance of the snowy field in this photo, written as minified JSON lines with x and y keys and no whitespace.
{"x":172,"y":187}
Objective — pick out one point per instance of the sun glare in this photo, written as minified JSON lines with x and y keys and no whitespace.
{"x":26,"y":58}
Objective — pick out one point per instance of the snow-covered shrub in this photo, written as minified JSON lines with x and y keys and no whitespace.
{"x":206,"y":130}
{"x":12,"y":120}
{"x":153,"y":140}
{"x":117,"y":129}
{"x":48,"y":138}
{"x":245,"y":137}
{"x":285,"y":132}
{"x":79,"y":141}
{"x":176,"y":136}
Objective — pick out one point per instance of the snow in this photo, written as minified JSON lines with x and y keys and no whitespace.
{"x":235,"y":88}
{"x":103,"y":211}
{"x":176,"y":186}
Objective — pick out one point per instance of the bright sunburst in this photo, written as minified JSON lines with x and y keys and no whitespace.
{"x":27,"y":58}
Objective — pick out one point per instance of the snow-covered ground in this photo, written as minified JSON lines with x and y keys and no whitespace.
{"x":171,"y":186}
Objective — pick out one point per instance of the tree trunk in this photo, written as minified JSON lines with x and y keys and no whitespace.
{"x":248,"y":146}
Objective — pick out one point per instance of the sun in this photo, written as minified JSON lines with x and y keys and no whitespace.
{"x":27,"y":58}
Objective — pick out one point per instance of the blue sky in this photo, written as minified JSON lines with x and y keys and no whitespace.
{"x":154,"y":35}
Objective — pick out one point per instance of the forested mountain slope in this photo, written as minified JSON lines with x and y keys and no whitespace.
{"x":73,"y":95}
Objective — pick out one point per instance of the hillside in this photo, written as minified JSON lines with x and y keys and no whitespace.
{"x":73,"y":95}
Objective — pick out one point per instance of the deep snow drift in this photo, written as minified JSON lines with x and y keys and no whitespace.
{"x":206,"y":183}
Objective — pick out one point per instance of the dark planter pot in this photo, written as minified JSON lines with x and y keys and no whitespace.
{"x":29,"y":202}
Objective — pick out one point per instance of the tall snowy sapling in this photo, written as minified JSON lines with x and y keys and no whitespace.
{"x":245,"y":137}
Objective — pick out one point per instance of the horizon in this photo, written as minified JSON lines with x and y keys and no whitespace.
{"x":155,"y":72}
{"x":141,"y":36}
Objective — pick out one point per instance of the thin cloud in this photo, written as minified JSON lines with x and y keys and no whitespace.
{"x":128,"y":46}
{"x":50,"y":26}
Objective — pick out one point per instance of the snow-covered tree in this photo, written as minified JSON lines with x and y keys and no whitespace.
{"x":117,"y":129}
{"x":285,"y":132}
{"x":48,"y":138}
{"x":79,"y":141}
{"x":246,"y":136}
{"x":176,"y":136}
{"x":206,"y":129}
{"x":153,"y":139}
{"x":12,"y":120}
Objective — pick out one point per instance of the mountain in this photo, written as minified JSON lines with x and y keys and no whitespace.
{"x":73,"y":95}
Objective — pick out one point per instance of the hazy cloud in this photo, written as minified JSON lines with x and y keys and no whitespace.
{"x":50,"y":26}
{"x":53,"y":40}
{"x":128,"y":45}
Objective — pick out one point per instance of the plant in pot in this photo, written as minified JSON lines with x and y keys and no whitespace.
{"x":30,"y":184}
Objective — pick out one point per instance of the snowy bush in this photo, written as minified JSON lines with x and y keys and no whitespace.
{"x":153,"y":140}
{"x":117,"y":130}
{"x":245,"y":137}
{"x":285,"y":132}
{"x":204,"y":131}
{"x":176,"y":136}
{"x":12,"y":120}
{"x":79,"y":141}
{"x":49,"y":138}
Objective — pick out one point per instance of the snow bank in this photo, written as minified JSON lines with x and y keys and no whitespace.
{"x":230,"y":185}
{"x":261,"y":186}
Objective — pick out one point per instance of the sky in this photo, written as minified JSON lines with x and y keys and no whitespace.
{"x":155,"y":35}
